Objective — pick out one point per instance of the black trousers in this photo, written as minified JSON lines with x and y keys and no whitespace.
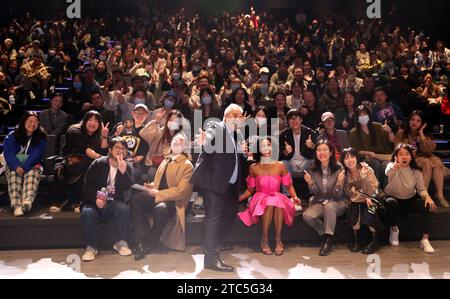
{"x":142,"y":204}
{"x":220,"y":212}
{"x":397,"y":207}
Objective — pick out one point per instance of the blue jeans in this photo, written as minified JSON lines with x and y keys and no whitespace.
{"x":113,"y":210}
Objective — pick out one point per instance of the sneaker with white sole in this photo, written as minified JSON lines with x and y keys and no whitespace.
{"x":18,"y":212}
{"x":89,"y":254}
{"x":122,"y":248}
{"x":393,"y":237}
{"x":426,"y":246}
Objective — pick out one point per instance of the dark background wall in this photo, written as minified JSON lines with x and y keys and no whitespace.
{"x":429,"y":15}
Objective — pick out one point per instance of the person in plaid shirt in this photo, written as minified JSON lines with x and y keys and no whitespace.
{"x":23,"y":151}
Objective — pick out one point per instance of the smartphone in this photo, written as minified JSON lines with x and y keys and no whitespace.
{"x":209,"y":62}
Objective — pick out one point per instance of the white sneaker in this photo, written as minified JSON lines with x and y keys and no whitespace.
{"x":426,"y":246}
{"x":89,"y":254}
{"x":393,"y":237}
{"x":18,"y":212}
{"x":122,"y":248}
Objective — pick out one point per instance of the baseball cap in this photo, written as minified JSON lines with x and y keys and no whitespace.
{"x":143,"y":106}
{"x":327,"y":115}
{"x":264,"y":70}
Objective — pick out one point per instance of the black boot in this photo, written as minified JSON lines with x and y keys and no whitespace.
{"x":355,"y":246}
{"x":373,"y":246}
{"x":326,"y":246}
{"x":140,"y":253}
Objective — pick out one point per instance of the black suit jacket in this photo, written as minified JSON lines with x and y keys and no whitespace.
{"x":288,"y":136}
{"x":215,"y":165}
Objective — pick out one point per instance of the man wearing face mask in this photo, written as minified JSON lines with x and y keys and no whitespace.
{"x":166,"y":199}
{"x":218,"y":176}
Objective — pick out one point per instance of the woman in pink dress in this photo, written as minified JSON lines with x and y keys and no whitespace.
{"x":265,"y":177}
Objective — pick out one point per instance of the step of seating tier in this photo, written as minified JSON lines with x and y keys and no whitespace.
{"x":42,"y":229}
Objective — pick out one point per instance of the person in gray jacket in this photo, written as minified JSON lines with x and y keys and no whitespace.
{"x":54,"y":120}
{"x":325,"y":180}
{"x":338,"y":139}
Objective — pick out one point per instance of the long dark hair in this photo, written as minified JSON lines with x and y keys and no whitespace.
{"x":372,"y":134}
{"x":233,"y":96}
{"x":86,"y":117}
{"x":350,"y":151}
{"x":333,"y":165}
{"x":20,"y":133}
{"x":407,"y":128}
{"x":166,"y":134}
{"x":409,"y":148}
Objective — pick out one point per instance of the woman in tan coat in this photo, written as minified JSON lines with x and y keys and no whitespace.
{"x":432,"y":166}
{"x":166,"y":200}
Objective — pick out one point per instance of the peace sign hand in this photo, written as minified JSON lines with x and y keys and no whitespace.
{"x":105,"y":130}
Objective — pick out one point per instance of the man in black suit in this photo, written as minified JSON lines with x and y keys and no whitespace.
{"x":218,"y":177}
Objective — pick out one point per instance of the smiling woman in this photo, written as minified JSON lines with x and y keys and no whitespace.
{"x":23,"y":151}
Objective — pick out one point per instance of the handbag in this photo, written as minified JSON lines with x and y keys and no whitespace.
{"x":70,"y":169}
{"x":378,"y":199}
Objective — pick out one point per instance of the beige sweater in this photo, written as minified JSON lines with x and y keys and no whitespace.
{"x":404,"y":183}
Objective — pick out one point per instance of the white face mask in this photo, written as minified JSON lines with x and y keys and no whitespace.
{"x":364,"y":120}
{"x":206,"y":100}
{"x":139,"y":101}
{"x":173,"y":125}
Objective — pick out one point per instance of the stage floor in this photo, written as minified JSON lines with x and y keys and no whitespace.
{"x":298,"y":262}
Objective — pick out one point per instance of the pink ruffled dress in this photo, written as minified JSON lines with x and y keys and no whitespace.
{"x":268,"y":194}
